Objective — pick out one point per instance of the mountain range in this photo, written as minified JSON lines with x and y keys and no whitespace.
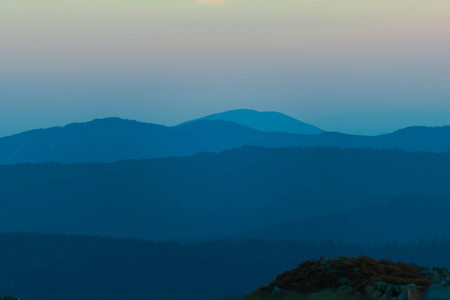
{"x":114,"y":139}
{"x":216,"y":195}
{"x":255,"y":192}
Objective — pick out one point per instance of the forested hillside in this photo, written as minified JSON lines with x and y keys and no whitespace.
{"x":53,"y":267}
{"x":210,"y":195}
{"x":392,"y":219}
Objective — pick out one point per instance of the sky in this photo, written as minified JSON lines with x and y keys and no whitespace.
{"x":168,"y":61}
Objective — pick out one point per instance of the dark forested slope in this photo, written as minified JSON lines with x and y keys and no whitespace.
{"x":210,"y":195}
{"x":399,"y":219}
{"x":53,"y":267}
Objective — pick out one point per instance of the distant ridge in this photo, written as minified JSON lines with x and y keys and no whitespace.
{"x":114,"y":139}
{"x":269,"y":121}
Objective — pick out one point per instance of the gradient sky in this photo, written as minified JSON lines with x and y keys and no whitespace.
{"x":167,"y":61}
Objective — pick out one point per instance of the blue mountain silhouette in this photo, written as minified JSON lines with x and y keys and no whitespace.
{"x":269,"y":121}
{"x":113,"y":139}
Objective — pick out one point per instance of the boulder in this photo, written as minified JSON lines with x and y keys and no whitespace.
{"x":358,"y":278}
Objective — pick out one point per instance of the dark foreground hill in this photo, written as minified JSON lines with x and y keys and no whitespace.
{"x":211,"y":195}
{"x":399,"y":219}
{"x":357,"y":278}
{"x":269,"y":121}
{"x":114,"y":139}
{"x":54,"y":267}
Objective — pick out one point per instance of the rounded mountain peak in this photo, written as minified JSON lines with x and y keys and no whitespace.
{"x":269,"y":121}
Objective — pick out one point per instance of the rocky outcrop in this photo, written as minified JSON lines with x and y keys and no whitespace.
{"x":358,"y":278}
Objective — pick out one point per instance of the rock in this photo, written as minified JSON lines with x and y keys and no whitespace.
{"x":276,"y":290}
{"x":383,"y":286}
{"x":412,"y":292}
{"x":438,"y":276}
{"x":402,"y":296}
{"x":398,"y":289}
{"x":437,"y":293}
{"x":375,"y":295}
{"x":355,"y":278}
{"x":344,"y":281}
{"x":344,"y":289}
{"x":369,"y":290}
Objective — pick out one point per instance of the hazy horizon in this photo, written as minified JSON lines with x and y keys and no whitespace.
{"x":375,"y":123}
{"x":170,"y":61}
